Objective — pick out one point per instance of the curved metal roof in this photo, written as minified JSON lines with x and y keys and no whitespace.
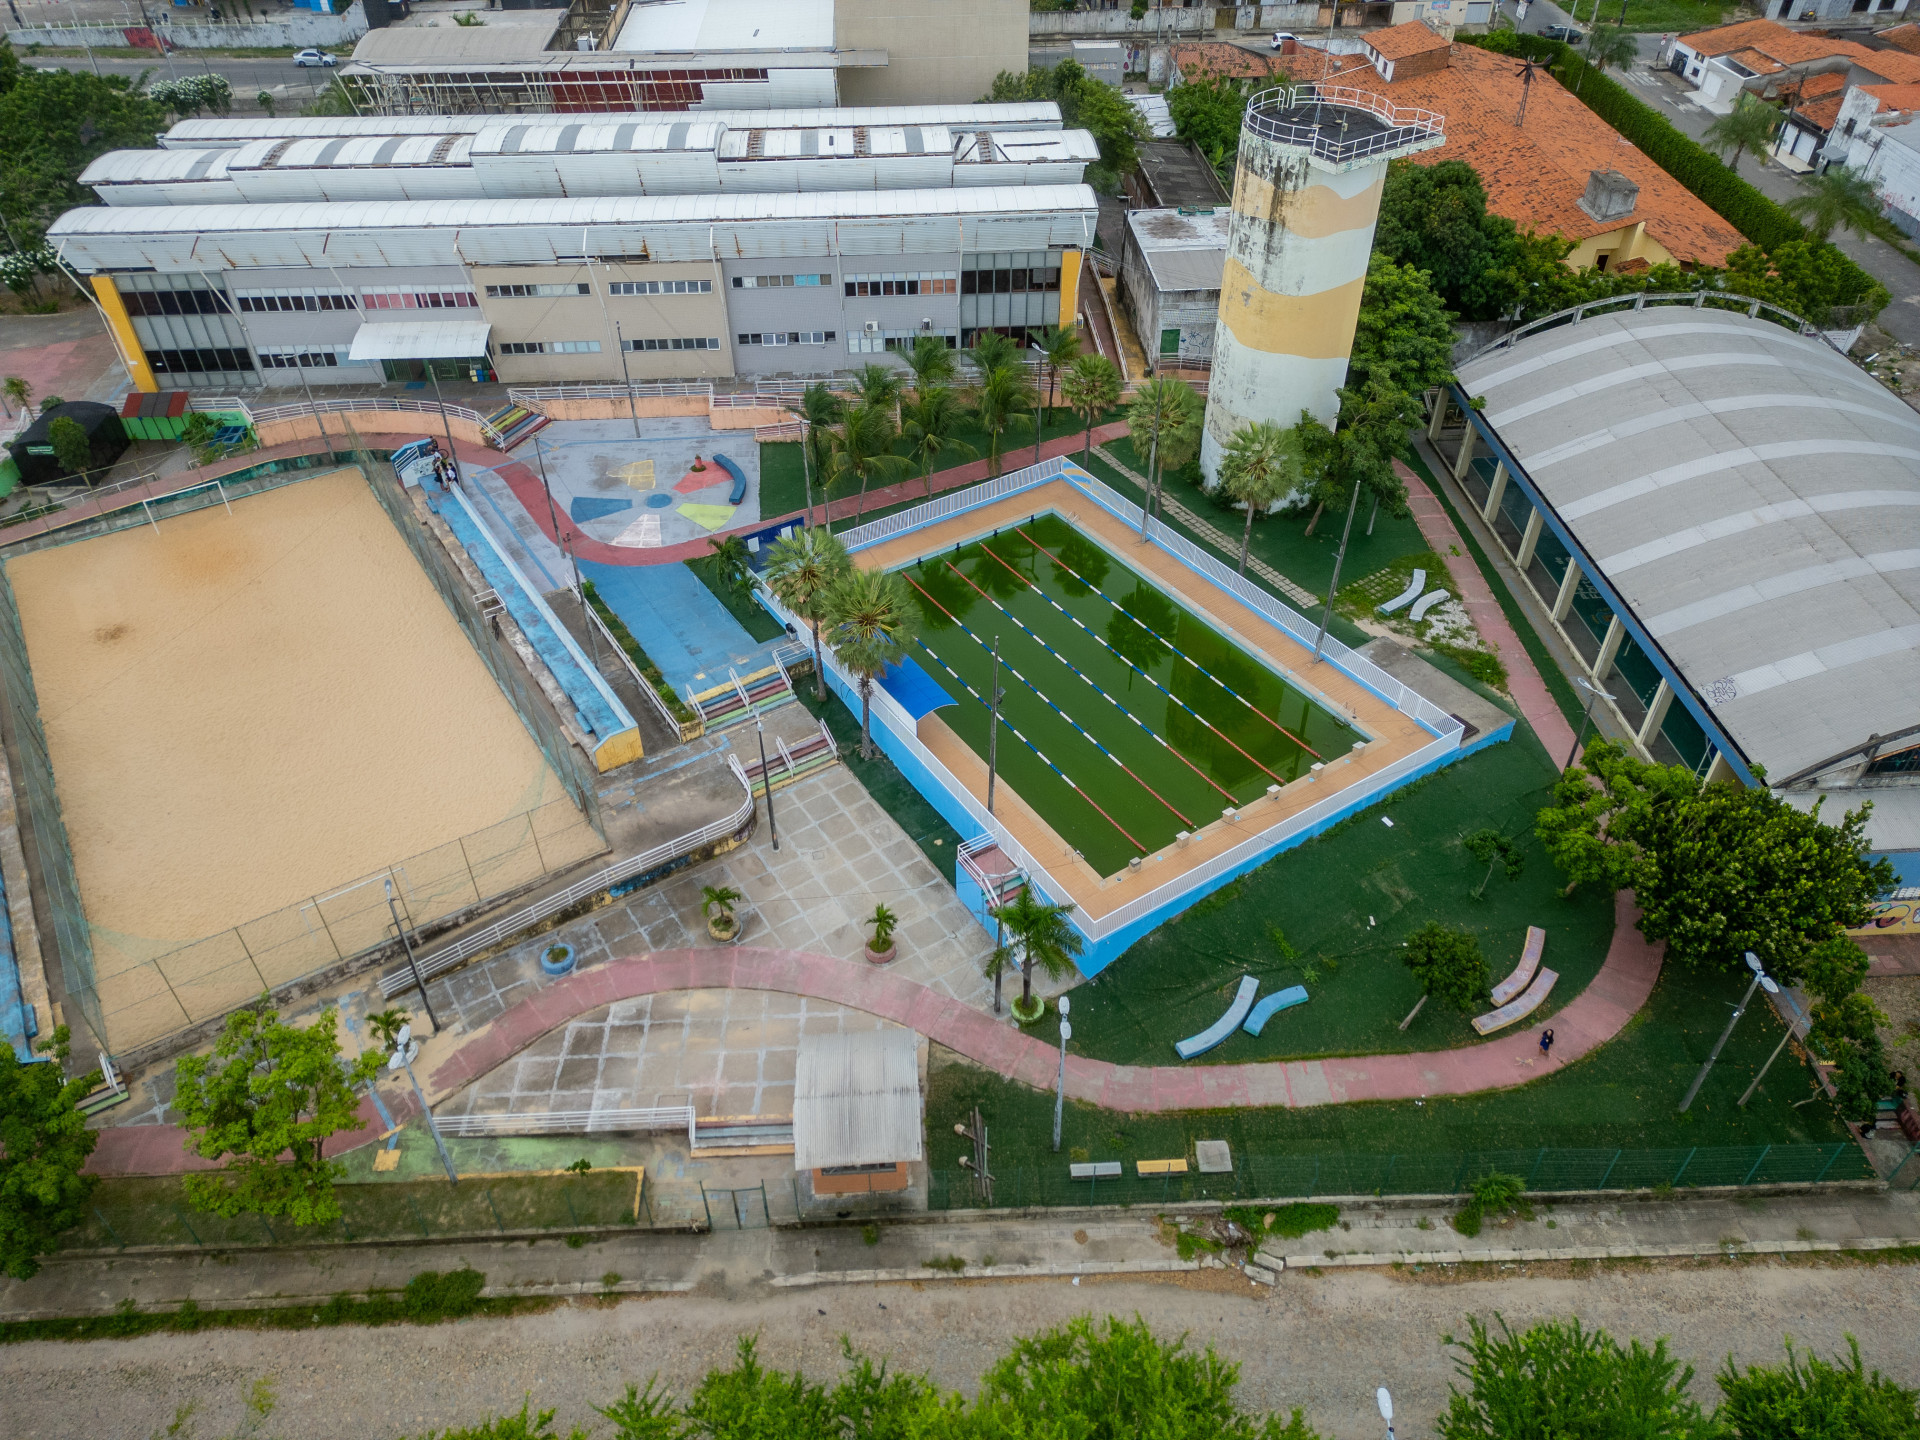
{"x":1751,"y":495}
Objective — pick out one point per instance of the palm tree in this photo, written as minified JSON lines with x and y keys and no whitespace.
{"x":1166,"y":414}
{"x":1259,"y":468}
{"x":1044,"y":938}
{"x":870,"y":619}
{"x":1748,"y":126}
{"x":802,"y":571}
{"x":931,"y":428}
{"x":879,"y":385}
{"x":1610,"y":47}
{"x":1841,"y":199}
{"x":1003,"y":403}
{"x":993,"y":351}
{"x":818,"y":409}
{"x":1091,"y":388}
{"x":932,"y":362}
{"x":18,"y":390}
{"x":862,"y":449}
{"x":731,"y":563}
{"x":1059,"y":348}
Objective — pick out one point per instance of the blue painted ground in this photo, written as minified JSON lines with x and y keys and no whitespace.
{"x":596,"y":714}
{"x":585,"y":508}
{"x":683,"y":629}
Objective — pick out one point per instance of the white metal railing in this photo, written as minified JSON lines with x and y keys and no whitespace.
{"x":266,"y":415}
{"x":527,"y":397}
{"x":443,"y":960}
{"x":1405,"y":126}
{"x":952,"y":503}
{"x":687,"y":730}
{"x":211,"y":404}
{"x":1692,"y":299}
{"x":572,"y":1122}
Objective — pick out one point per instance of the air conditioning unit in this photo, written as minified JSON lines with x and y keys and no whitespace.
{"x":926,"y":324}
{"x":872,"y":327}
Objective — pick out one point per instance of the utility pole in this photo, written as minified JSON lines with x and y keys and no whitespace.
{"x":633,"y":406}
{"x":403,"y":1059}
{"x":1326,"y":616}
{"x":419,"y":980}
{"x":1760,"y":979}
{"x":993,"y":724}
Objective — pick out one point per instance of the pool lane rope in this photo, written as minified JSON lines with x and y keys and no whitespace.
{"x":1014,"y":671}
{"x":1150,"y":680}
{"x":1097,"y":689}
{"x":1021,"y":532}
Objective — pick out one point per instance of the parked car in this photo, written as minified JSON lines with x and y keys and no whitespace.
{"x":304,"y":58}
{"x":1280,"y":39}
{"x":1570,"y":34}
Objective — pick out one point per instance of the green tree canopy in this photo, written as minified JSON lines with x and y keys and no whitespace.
{"x":1260,"y":468}
{"x":1207,"y":109}
{"x":802,"y":572}
{"x":1749,"y":125}
{"x":44,"y":1140}
{"x":1091,"y":387}
{"x":266,"y":1101}
{"x":1374,"y":424}
{"x":870,"y":621}
{"x":1812,"y":1399}
{"x":70,"y":445}
{"x":53,"y":124}
{"x":1840,"y":198}
{"x":1449,"y":966}
{"x":1041,"y":935}
{"x":1404,"y":336}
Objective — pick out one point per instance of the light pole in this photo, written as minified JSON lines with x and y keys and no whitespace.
{"x":1593,"y":692}
{"x":1326,"y":616}
{"x":419,"y":981}
{"x":1060,"y":1085}
{"x":766,"y":780}
{"x":633,"y":406}
{"x":1742,"y":1103}
{"x":402,"y":1059}
{"x":993,"y":724}
{"x":446,"y":424}
{"x":1760,"y":981}
{"x":1385,"y":1402}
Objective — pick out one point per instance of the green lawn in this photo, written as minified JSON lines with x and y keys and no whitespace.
{"x":753,"y":617}
{"x":1679,"y":17}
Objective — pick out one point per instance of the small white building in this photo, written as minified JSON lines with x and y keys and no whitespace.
{"x":1171,"y":262}
{"x":1876,"y":133}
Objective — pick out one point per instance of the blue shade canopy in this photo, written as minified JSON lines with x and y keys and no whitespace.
{"x":907,"y":683}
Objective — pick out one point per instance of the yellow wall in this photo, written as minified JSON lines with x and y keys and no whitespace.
{"x":617,"y":750}
{"x":1629,"y":242}
{"x":128,"y":343}
{"x":1069,"y":287}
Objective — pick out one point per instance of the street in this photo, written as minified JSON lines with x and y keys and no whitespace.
{"x":290,"y":86}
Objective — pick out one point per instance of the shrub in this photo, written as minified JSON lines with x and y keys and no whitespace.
{"x":432,"y":1295}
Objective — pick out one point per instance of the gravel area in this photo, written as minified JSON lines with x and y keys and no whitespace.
{"x":1319,"y":1342}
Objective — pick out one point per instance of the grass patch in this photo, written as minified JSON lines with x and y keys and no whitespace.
{"x":1288,"y":1222}
{"x":783,"y":487}
{"x":1682,"y":17}
{"x":618,"y":628}
{"x":751,"y":615}
{"x":1342,"y":904}
{"x":950,"y":1264}
{"x":891,"y":791}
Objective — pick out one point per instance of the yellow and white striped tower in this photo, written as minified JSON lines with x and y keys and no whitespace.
{"x":1306,"y":193}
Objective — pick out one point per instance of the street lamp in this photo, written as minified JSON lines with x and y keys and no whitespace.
{"x":1586,"y":716}
{"x":402,"y":1059}
{"x":1386,"y":1408}
{"x":993,"y":724}
{"x":766,"y":780}
{"x":1761,"y":981}
{"x":1060,"y":1087}
{"x":419,"y":980}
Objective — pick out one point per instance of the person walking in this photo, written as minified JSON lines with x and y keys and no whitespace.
{"x":1546,"y":1042}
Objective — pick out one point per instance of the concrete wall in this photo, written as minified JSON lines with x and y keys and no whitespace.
{"x":939,"y":52}
{"x":1158,"y":24}
{"x":296,"y":30}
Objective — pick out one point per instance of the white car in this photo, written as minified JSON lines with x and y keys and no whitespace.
{"x":304,"y":58}
{"x":1280,"y":39}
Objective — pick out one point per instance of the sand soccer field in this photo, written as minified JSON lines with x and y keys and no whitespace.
{"x":253,"y":707}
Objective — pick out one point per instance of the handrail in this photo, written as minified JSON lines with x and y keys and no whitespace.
{"x":571,"y":1122}
{"x":520,"y":395}
{"x":1692,"y":299}
{"x":673,"y":722}
{"x":1406,"y":126}
{"x":441,"y":961}
{"x":271,"y":413}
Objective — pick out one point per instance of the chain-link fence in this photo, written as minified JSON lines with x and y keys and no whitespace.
{"x":1276,"y":1177}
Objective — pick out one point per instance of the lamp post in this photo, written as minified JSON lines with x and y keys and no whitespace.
{"x":766,"y":780}
{"x":1060,"y":1085}
{"x":633,"y":406}
{"x":402,"y":1059}
{"x":1593,"y":692}
{"x":419,"y":981}
{"x":1385,"y":1401}
{"x":1760,"y":981}
{"x":1326,"y":616}
{"x":993,"y":724}
{"x":446,"y":424}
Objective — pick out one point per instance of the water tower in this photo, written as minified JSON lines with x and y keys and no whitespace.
{"x":1306,"y":193}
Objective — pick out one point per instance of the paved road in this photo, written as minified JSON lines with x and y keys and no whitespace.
{"x":290,"y":85}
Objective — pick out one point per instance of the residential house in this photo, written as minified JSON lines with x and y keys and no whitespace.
{"x":1767,"y":59}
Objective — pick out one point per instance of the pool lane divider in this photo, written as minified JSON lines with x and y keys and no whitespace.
{"x":1156,"y":684}
{"x":1100,"y":690}
{"x":1021,"y":532}
{"x":959,"y":680}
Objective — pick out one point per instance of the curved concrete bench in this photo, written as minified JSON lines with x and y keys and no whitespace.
{"x":1517,"y":1009}
{"x":1225,"y":1025}
{"x":1407,"y":596}
{"x":1280,"y":1000}
{"x":739,"y":491}
{"x":1427,"y":602}
{"x":1522,"y":975}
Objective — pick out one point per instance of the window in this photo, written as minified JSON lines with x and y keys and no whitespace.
{"x":923,"y":282}
{"x":661,"y":287}
{"x":419,"y":299}
{"x":175,"y":302}
{"x":874,"y":342}
{"x":256,"y":302}
{"x":287,"y":357}
{"x":1901,"y":762}
{"x":779,"y":282}
{"x":1019,"y":280}
{"x":537,"y":292}
{"x":550,"y":347}
{"x":173,"y":362}
{"x":790,"y":337}
{"x":677,"y":343}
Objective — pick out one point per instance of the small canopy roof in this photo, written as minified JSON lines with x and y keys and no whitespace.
{"x":856,"y":1099}
{"x":420,"y":340}
{"x":916,"y":690}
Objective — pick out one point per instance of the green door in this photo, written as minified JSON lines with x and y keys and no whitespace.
{"x":1170,"y":341}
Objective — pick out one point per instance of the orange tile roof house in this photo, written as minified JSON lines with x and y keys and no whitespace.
{"x":1770,"y":60}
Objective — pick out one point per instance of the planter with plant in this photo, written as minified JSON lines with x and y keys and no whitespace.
{"x":881,"y":949}
{"x":716,"y":903}
{"x":557,"y":960}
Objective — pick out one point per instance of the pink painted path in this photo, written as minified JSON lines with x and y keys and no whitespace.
{"x":161,"y":1149}
{"x":1523,"y":681}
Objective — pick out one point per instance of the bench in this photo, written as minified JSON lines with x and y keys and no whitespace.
{"x":1407,"y":596}
{"x":1516,"y":1009}
{"x":1426,"y":603}
{"x":1217,"y":1032}
{"x":1097,"y":1170}
{"x":739,"y":491}
{"x":1522,"y":975}
{"x":1280,"y":1000}
{"x":1162,"y":1167}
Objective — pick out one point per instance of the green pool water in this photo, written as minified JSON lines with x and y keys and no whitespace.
{"x":1126,"y":717}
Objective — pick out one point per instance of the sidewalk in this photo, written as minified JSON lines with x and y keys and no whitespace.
{"x":993,"y":1245}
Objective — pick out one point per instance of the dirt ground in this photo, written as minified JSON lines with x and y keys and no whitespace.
{"x":1899,"y":999}
{"x":1318,"y":1342}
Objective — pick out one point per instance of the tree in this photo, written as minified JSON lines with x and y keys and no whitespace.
{"x":862,"y":448}
{"x":931,"y":359}
{"x":270,"y":1090}
{"x":802,"y":571}
{"x":53,"y":124}
{"x":992,"y":351}
{"x":1043,"y":938}
{"x":70,"y":445}
{"x":731,"y":563}
{"x":18,"y":391}
{"x":190,"y":94}
{"x":1404,"y":336}
{"x":1449,"y":966}
{"x":1434,"y":218}
{"x":1814,"y":1399}
{"x":44,"y":1142}
{"x":1207,"y":110}
{"x":1085,"y":104}
{"x":1748,"y":126}
{"x":1559,"y":1381}
{"x":1491,"y":848}
{"x":1091,"y":388}
{"x":1373,"y":433}
{"x":1165,"y":416}
{"x":1260,"y":467}
{"x":879,"y":385}
{"x":870,"y":619}
{"x":1841,"y":199}
{"x":1059,"y":348}
{"x":265,"y":101}
{"x":1002,"y":404}
{"x":1611,"y":47}
{"x":1846,"y":1026}
{"x":931,"y":427}
{"x":819,"y":411}
{"x":1814,"y":281}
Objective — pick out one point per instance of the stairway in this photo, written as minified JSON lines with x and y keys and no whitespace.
{"x":722,"y":1135}
{"x":789,"y":763}
{"x":743,"y":697}
{"x":515,"y":424}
